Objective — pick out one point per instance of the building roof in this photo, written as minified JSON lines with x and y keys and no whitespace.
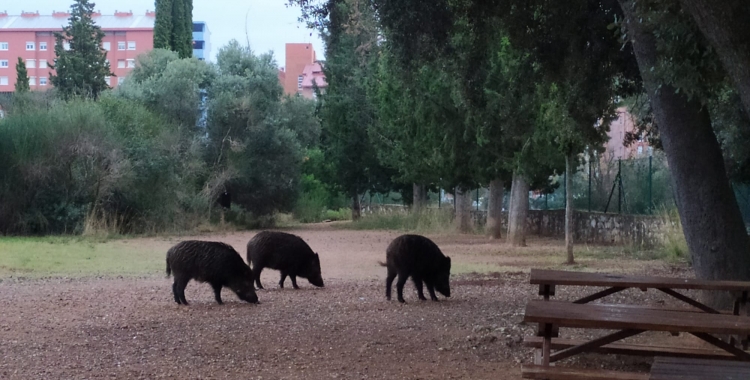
{"x":55,"y":22}
{"x":312,"y":72}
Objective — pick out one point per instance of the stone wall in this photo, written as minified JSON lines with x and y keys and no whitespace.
{"x":591,"y":228}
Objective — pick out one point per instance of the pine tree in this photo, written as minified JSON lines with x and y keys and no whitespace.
{"x":81,"y":69}
{"x":22,"y":77}
{"x":163,"y":25}
{"x":173,"y":29}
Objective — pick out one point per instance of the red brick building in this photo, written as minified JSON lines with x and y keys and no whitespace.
{"x":30,"y":36}
{"x":301,"y":70}
{"x":614,"y":148}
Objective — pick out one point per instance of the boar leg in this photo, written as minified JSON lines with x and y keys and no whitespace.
{"x":175,"y":292}
{"x":217,"y":292}
{"x":418,"y":285}
{"x":389,"y":283}
{"x":294,"y":281}
{"x":431,"y":289}
{"x":400,"y":286}
{"x":257,"y":276}
{"x":283,"y":278}
{"x":180,"y":284}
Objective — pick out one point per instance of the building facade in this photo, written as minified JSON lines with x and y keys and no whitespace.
{"x":614,"y":148}
{"x":301,"y":70}
{"x":201,"y":40}
{"x":31,"y":37}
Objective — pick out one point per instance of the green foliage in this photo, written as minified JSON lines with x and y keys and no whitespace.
{"x":80,"y":70}
{"x":163,"y":24}
{"x":169,"y":85}
{"x":250,"y":136}
{"x":173,"y":28}
{"x":22,"y":77}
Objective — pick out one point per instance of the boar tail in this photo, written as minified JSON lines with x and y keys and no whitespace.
{"x":169,"y":270}
{"x":382,"y":264}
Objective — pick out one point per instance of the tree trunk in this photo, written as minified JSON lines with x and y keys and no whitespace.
{"x":463,"y":211}
{"x":495,"y":209}
{"x":356,"y":207}
{"x":420,"y":198}
{"x":711,"y":219}
{"x":725,"y":25}
{"x":569,"y":209}
{"x":519,"y":208}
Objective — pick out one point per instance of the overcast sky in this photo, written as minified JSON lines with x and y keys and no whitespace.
{"x":270,"y":24}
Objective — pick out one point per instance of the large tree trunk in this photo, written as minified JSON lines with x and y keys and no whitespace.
{"x":711,"y":219}
{"x":519,"y":208}
{"x":356,"y":207}
{"x":463,"y":211}
{"x":495,"y":209}
{"x":419,"y":200}
{"x":569,"y":209}
{"x":725,"y":25}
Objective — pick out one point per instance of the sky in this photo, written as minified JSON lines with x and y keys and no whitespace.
{"x":270,"y":23}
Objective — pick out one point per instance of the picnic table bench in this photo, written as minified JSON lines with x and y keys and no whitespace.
{"x":682,"y":369}
{"x":701,"y":321}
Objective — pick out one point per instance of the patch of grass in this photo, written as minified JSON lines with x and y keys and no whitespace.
{"x":674,"y":246}
{"x":427,"y":221}
{"x":75,"y":257}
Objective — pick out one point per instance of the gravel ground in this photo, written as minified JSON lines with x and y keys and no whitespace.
{"x":92,"y":328}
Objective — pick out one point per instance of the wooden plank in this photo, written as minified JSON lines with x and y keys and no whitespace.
{"x":698,"y":369}
{"x":590,"y":345}
{"x":557,"y":277}
{"x":558,"y":373}
{"x":610,"y":317}
{"x":634,"y":349}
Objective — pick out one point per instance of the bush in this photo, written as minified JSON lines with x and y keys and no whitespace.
{"x":674,"y":246}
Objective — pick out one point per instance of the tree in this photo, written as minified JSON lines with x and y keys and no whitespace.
{"x":711,"y":219}
{"x":81,"y":69}
{"x":163,"y":25}
{"x":173,"y":28}
{"x":22,"y":77}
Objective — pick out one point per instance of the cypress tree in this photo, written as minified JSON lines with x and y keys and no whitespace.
{"x":163,"y":25}
{"x":80,"y":70}
{"x":22,"y":77}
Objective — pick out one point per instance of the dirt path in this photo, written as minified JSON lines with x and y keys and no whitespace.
{"x":130,"y":328}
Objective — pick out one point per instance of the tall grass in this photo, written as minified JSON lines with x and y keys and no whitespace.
{"x":674,"y":246}
{"x":427,"y":221}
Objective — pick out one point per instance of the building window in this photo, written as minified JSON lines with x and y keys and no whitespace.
{"x":43,"y":81}
{"x":120,"y":63}
{"x":107,"y":46}
{"x":131,"y":45}
{"x":30,"y":45}
{"x":42,"y":63}
{"x":640,"y":150}
{"x":66,"y":45}
{"x":121,"y":45}
{"x":31,"y":63}
{"x":43,"y":46}
{"x":299,"y":81}
{"x":131,"y":63}
{"x":120,"y":80}
{"x":3,"y":63}
{"x":198,"y":45}
{"x":197,"y":27}
{"x":108,"y":80}
{"x":3,"y":46}
{"x":3,"y":81}
{"x":32,"y":81}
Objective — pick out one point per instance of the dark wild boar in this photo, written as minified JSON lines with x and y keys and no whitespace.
{"x":284,"y":252}
{"x":420,"y":258}
{"x":213,"y":262}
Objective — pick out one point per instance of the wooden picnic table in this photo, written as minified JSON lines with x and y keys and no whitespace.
{"x":548,"y":280}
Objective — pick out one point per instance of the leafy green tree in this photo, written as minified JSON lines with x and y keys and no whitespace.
{"x":81,"y":69}
{"x":22,"y":77}
{"x":173,"y":28}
